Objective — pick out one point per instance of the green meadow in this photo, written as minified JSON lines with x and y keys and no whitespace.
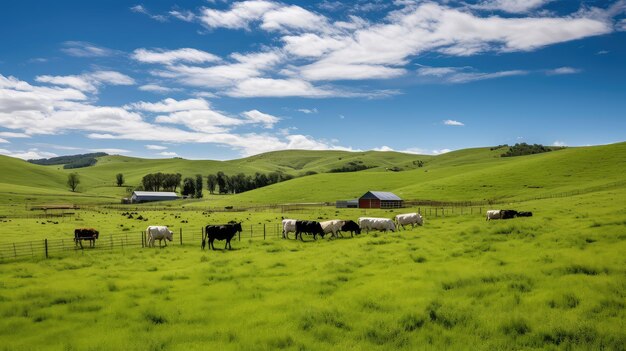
{"x":553,"y":281}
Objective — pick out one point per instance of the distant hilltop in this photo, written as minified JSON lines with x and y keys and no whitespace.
{"x":71,"y":161}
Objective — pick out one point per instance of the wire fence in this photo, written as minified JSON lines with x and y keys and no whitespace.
{"x":47,"y":248}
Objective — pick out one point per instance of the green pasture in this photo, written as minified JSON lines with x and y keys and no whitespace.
{"x":465,"y":175}
{"x":552,"y":281}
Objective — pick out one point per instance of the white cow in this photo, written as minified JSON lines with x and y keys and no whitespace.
{"x":155,"y":232}
{"x":494,"y":214}
{"x":332,"y":226}
{"x":289,"y":225}
{"x":381,"y":224}
{"x":409,"y":218}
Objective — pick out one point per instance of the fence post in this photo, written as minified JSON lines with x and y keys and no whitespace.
{"x":143,"y":240}
{"x":181,"y":235}
{"x":45,"y":244}
{"x":250,"y":230}
{"x":14,"y":251}
{"x":263,"y":231}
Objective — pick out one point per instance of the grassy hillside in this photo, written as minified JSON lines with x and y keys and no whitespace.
{"x":470,"y":174}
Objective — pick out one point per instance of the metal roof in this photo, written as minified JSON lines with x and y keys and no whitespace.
{"x":381,"y":195}
{"x":155,"y":193}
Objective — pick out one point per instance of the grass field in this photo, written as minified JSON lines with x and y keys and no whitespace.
{"x":556,"y":280}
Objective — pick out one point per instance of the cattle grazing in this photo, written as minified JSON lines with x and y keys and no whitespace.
{"x":524,"y":214}
{"x":352,"y":227}
{"x":160,"y":233}
{"x":409,"y":218}
{"x":289,"y":225}
{"x":81,"y":234}
{"x":493,"y":214}
{"x":371,"y":223}
{"x":309,"y":227}
{"x":333,"y":226}
{"x":508,"y":214}
{"x":220,"y":232}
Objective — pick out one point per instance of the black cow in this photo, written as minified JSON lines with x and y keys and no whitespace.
{"x":352,"y":227}
{"x":81,"y":234}
{"x":309,"y":227}
{"x":508,"y":214}
{"x":524,"y":214}
{"x":220,"y":232}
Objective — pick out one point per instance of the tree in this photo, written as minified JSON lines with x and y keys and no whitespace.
{"x":222,"y":182}
{"x":211,"y":183}
{"x":198,"y":186}
{"x":189,"y":187}
{"x":73,"y":180}
{"x":120,"y":179}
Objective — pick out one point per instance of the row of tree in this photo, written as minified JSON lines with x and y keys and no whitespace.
{"x":239,"y":183}
{"x":161,"y":181}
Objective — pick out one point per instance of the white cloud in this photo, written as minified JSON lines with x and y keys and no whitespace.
{"x":4,"y":141}
{"x":239,"y":15}
{"x":512,"y":6}
{"x":440,"y":151}
{"x":111,"y":151}
{"x":451,"y":122}
{"x":563,"y":70}
{"x":88,"y":82}
{"x":255,"y":116}
{"x":457,"y":75}
{"x":186,"y":16}
{"x":13,"y":135}
{"x":168,"y":57}
{"x":413,"y":150}
{"x":168,"y":154}
{"x":559,"y":143}
{"x":155,"y":88}
{"x":31,"y":154}
{"x":85,"y":49}
{"x":308,"y":110}
{"x":141,"y":9}
{"x":37,"y":110}
{"x":267,"y":87}
{"x":170,"y":105}
{"x":156,"y":147}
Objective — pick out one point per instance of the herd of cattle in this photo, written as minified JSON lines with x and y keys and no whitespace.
{"x":334,"y":228}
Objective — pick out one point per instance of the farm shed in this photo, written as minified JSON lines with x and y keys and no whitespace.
{"x":347,"y":203}
{"x":147,"y":196}
{"x":380,"y":199}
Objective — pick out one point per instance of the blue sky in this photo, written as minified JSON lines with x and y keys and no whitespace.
{"x":225,"y":79}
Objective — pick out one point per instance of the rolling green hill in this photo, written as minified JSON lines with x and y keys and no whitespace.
{"x":470,"y":174}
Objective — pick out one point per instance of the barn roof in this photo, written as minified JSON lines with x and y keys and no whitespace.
{"x":155,"y":193}
{"x":381,"y":195}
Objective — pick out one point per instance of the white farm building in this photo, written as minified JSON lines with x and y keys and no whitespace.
{"x":147,"y":196}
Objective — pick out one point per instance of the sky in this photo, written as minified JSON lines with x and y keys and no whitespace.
{"x":220,"y":79}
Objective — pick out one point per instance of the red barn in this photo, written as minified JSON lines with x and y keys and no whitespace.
{"x":380,"y":199}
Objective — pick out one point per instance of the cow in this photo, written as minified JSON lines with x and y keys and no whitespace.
{"x":409,"y":218}
{"x":371,"y":223}
{"x":333,"y":226}
{"x":508,"y":214}
{"x":220,"y":232}
{"x":81,"y":234}
{"x":309,"y":227}
{"x":524,"y":214}
{"x":160,"y":233}
{"x":289,"y":225}
{"x":352,"y":227}
{"x":493,"y":214}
